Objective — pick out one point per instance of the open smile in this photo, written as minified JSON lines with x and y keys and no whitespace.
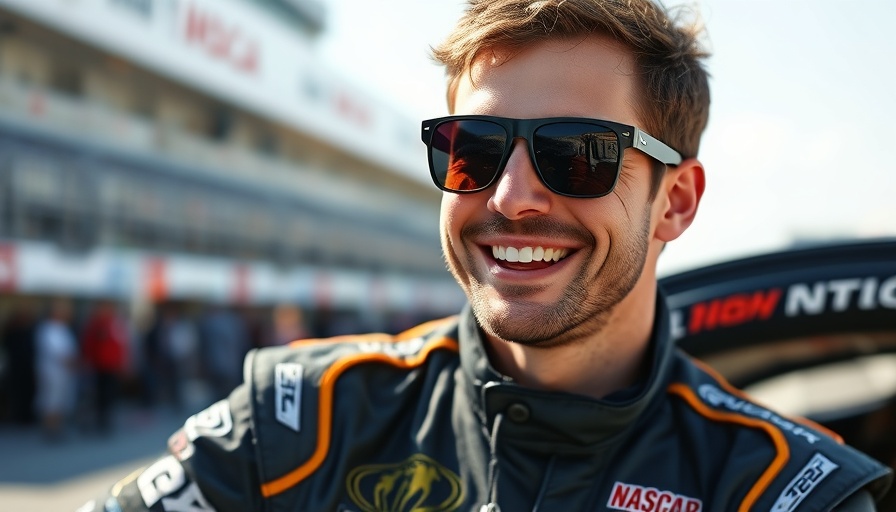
{"x":528,"y":254}
{"x":527,"y":258}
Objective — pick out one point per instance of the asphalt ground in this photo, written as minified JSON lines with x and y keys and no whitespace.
{"x":39,"y":475}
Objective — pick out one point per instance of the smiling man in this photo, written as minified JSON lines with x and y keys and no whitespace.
{"x":569,"y":161}
{"x":588,"y":308}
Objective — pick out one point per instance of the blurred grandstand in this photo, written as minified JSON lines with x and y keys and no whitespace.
{"x":197,"y":150}
{"x":187,"y":155}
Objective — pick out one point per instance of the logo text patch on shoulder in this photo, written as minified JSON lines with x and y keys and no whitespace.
{"x":635,"y":498}
{"x":804,"y":482}
{"x":288,"y":394}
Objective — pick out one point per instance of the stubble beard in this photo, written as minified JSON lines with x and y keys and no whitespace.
{"x":586,"y":304}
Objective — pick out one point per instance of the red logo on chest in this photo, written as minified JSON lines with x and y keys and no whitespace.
{"x":634,"y":498}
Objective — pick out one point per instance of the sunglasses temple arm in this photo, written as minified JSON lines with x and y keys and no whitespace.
{"x":655,"y":148}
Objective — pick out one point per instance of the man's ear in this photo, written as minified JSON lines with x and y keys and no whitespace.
{"x":679,"y":196}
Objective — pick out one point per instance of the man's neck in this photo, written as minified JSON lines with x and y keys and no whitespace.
{"x":597,"y":364}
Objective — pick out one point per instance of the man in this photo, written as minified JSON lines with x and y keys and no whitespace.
{"x":558,"y":388}
{"x":104,"y":346}
{"x":57,"y":370}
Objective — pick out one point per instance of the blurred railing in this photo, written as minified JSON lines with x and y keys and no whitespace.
{"x":49,"y":110}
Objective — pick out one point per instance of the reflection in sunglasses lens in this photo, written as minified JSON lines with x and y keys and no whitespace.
{"x":577,"y":158}
{"x":466,"y":154}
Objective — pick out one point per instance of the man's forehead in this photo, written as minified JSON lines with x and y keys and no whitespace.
{"x":571,"y":50}
{"x":584,"y":76}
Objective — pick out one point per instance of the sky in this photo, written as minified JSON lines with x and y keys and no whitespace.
{"x":802,"y":122}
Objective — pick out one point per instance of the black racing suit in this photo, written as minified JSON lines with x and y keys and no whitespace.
{"x":421,"y":422}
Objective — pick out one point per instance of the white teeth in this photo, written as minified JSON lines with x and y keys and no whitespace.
{"x":512,"y":255}
{"x":528,"y":254}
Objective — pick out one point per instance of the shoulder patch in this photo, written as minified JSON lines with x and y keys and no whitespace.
{"x":721,"y":399}
{"x":817,"y":469}
{"x":288,"y":394}
{"x":396,"y":349}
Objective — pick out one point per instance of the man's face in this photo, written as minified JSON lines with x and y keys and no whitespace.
{"x":599,"y":244}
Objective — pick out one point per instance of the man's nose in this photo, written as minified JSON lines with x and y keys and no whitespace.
{"x":519,"y":191}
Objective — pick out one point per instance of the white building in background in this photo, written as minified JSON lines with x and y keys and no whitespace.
{"x":199,"y":150}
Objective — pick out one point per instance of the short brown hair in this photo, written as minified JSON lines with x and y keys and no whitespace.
{"x":667,"y":55}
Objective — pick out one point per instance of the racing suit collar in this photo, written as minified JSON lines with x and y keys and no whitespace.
{"x":557,"y":422}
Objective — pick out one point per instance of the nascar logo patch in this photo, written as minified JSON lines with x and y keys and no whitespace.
{"x":635,"y":498}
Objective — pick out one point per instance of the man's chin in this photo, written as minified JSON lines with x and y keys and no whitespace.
{"x":526,"y":322}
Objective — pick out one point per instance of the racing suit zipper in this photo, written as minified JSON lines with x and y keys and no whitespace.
{"x":492,"y":505}
{"x":544,"y":483}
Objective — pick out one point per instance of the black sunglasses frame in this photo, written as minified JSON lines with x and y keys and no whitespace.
{"x":628,"y":137}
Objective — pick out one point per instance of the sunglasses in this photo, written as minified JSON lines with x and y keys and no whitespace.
{"x":573,"y":156}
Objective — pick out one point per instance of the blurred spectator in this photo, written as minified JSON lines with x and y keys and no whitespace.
{"x":289,"y":324}
{"x":258,"y":326}
{"x":56,"y":364}
{"x":19,"y":347}
{"x":155,"y":372}
{"x":105,"y":343}
{"x":225,"y":341}
{"x":179,"y":344}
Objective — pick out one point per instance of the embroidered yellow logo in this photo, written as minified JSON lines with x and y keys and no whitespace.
{"x":417,"y":484}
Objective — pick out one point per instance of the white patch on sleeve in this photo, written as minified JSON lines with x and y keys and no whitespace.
{"x":165,"y":481}
{"x":288,"y":394}
{"x":804,"y":482}
{"x":161,"y":479}
{"x":216,"y":421}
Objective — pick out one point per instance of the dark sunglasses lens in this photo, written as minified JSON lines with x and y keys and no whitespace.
{"x":577,"y":159}
{"x":465,"y":155}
